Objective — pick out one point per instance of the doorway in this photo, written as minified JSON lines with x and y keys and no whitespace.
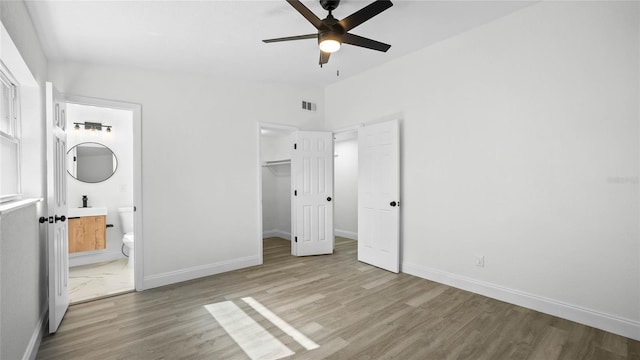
{"x":296,"y":188}
{"x":368,"y":176}
{"x":102,"y":189}
{"x":274,"y":146}
{"x":346,"y":183}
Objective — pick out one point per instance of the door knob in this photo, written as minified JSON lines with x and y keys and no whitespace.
{"x":61,"y":218}
{"x":329,"y":198}
{"x":393,"y":203}
{"x":44,"y":219}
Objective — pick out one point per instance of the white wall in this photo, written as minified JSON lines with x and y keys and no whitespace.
{"x":276,"y":147}
{"x":23,"y":285}
{"x":520,"y":142}
{"x":276,"y":187}
{"x":22,"y":305}
{"x":115,"y":192}
{"x":346,"y":188}
{"x":199,"y":161}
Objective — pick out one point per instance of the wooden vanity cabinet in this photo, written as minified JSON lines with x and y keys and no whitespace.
{"x":87,"y":233}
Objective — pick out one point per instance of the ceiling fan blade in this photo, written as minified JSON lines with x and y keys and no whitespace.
{"x":308,"y":14}
{"x":364,"y":42}
{"x":324,"y":57}
{"x":364,"y":14}
{"x":289,"y":38}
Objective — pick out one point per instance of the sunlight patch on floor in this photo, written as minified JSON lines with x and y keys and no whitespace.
{"x":283,"y":325}
{"x":254,"y":340}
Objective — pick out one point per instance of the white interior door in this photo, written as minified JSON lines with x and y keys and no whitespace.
{"x":58,"y":245}
{"x":312,"y":186}
{"x":378,"y":195}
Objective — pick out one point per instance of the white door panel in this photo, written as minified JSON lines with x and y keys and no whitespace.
{"x":57,"y":239}
{"x":312,"y":184}
{"x":378,"y":195}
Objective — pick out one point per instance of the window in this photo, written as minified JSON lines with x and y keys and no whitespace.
{"x":10,"y":144}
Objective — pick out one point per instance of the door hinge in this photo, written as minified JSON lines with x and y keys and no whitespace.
{"x":134,"y":209}
{"x":296,"y":239}
{"x":295,"y":192}
{"x":295,"y":146}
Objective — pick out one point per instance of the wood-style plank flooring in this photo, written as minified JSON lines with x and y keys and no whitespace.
{"x":352,"y":310}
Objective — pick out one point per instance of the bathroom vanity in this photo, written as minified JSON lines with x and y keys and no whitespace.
{"x":87,"y":229}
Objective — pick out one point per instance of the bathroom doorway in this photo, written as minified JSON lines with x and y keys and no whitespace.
{"x":103,"y":163}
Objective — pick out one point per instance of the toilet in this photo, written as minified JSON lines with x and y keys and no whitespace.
{"x":126,"y":220}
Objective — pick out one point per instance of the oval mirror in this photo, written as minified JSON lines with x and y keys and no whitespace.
{"x":91,"y":162}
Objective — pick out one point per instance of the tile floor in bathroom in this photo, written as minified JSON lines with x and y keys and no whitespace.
{"x":93,"y":281}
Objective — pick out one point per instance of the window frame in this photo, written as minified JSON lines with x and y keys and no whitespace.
{"x":14,"y":134}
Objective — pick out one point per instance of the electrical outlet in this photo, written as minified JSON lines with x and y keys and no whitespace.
{"x":480,"y":260}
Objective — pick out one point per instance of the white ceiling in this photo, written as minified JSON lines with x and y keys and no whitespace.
{"x":223,"y":38}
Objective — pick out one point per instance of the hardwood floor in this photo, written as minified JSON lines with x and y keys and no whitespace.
{"x":352,"y":310}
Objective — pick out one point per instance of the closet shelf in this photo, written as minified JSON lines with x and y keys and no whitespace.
{"x":277,"y":162}
{"x":277,"y":167}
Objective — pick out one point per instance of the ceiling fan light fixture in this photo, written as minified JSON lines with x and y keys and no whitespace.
{"x":329,"y":45}
{"x":329,"y":42}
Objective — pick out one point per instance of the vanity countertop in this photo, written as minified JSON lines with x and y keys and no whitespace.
{"x":88,"y":211}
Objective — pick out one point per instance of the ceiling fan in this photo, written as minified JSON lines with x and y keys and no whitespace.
{"x":333,"y":32}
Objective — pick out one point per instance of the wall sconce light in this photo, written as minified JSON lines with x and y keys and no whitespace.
{"x":93,"y":126}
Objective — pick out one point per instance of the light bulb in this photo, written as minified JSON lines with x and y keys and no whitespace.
{"x":329,"y":45}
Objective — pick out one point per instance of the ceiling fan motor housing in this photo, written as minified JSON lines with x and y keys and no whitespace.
{"x":330,"y":35}
{"x":331,"y":25}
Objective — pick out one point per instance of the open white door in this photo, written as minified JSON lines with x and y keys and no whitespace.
{"x":378,"y":195}
{"x":312,"y":186}
{"x":58,"y":246}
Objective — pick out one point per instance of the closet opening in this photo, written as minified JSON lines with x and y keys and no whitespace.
{"x":275,"y":144}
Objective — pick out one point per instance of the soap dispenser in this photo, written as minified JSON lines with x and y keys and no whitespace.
{"x":84,"y":201}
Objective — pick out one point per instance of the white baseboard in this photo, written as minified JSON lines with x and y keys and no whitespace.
{"x":173,"y":277}
{"x":346,"y":234}
{"x":277,"y":233}
{"x":94,"y":257}
{"x":625,"y":327}
{"x":34,"y":343}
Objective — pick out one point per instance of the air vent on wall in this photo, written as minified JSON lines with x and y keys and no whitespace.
{"x":309,"y":106}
